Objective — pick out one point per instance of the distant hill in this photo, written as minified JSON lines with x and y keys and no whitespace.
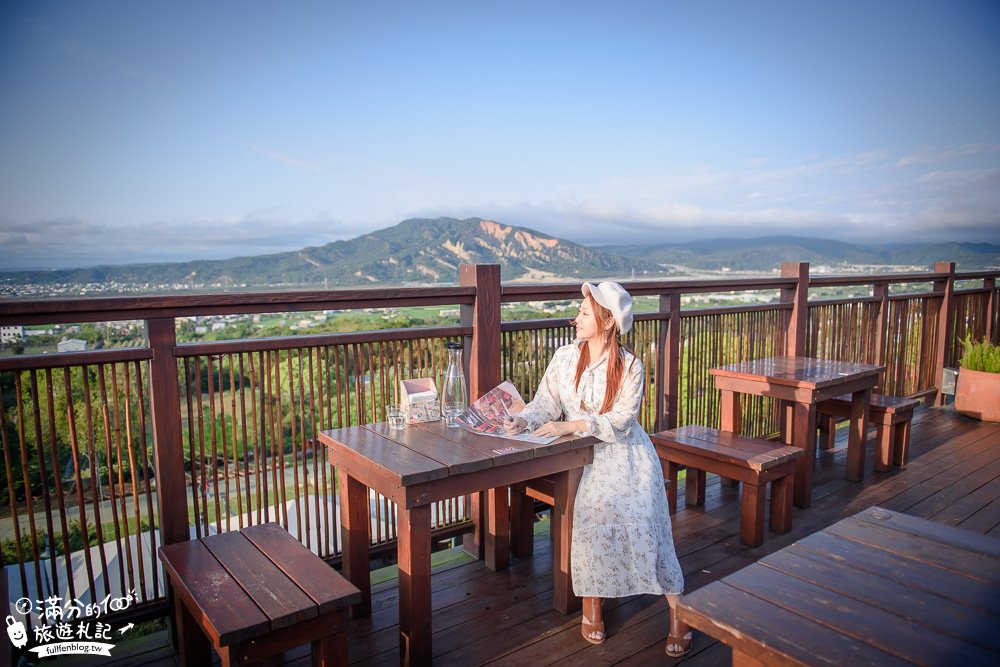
{"x":422,"y":251}
{"x":414,"y":251}
{"x":766,"y":253}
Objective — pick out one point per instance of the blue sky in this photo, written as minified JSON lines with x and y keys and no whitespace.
{"x":136,"y":131}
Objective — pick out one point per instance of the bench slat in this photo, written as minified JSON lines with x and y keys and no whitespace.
{"x":229,"y":613}
{"x":878,"y":402}
{"x":749,"y":452}
{"x":277,"y":596}
{"x":839,"y":612}
{"x":736,"y":618}
{"x":318,"y":580}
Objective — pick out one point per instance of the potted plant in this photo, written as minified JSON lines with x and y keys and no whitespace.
{"x":978,"y":392}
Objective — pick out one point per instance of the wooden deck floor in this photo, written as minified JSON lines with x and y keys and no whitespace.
{"x":505,"y":618}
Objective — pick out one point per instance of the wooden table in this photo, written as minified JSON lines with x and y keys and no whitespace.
{"x":878,"y":588}
{"x":425,"y":463}
{"x":800,"y":383}
{"x":255,"y":593}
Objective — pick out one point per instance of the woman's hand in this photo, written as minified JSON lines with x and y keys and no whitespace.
{"x":514,"y":425}
{"x":560,"y":428}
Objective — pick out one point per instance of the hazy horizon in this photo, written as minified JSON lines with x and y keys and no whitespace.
{"x":137,"y":133}
{"x":598,"y":246}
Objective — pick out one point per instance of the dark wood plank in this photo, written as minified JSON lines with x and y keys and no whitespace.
{"x":457,"y":457}
{"x":961,"y":539}
{"x":318,"y":580}
{"x":985,"y":520}
{"x":963,"y":509}
{"x":364,"y":449}
{"x":482,"y":445}
{"x":915,"y":574}
{"x":976,"y":565}
{"x":230,"y":615}
{"x":927,"y":609}
{"x":273,"y":592}
{"x":757,"y":456}
{"x":806,"y":372}
{"x":876,"y":627}
{"x":877,"y":402}
{"x":736,"y":617}
{"x":764,"y":453}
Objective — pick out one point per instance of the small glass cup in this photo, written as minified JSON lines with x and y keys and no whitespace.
{"x":395,"y":416}
{"x":451,"y":411}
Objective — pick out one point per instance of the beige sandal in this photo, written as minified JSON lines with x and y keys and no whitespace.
{"x":678,"y":644}
{"x":592,"y":632}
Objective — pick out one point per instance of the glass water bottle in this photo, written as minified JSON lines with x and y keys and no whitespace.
{"x":454,"y":396}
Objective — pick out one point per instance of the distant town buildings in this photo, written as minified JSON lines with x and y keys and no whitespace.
{"x":11,"y":333}
{"x":71,"y":345}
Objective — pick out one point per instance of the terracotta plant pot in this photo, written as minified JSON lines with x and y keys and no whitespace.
{"x":978,"y":395}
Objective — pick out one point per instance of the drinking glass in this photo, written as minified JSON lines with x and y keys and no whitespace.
{"x":451,"y":411}
{"x":395,"y":416}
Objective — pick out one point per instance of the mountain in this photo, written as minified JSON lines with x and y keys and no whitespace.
{"x":421,"y":251}
{"x":766,"y":253}
{"x":414,"y":251}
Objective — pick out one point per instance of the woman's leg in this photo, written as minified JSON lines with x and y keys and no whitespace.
{"x":679,"y":638}
{"x":593,"y":621}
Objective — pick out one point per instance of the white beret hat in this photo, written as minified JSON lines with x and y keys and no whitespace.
{"x":613,"y":297}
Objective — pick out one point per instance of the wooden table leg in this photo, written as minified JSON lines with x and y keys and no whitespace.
{"x":694,"y":487}
{"x":781,"y":504}
{"x":330,"y":651}
{"x":802,"y":434}
{"x":731,"y":422}
{"x":522,"y":521}
{"x":192,"y":644}
{"x":497,"y":529}
{"x":732,"y":412}
{"x":901,"y":442}
{"x":857,"y":440}
{"x":355,"y":525}
{"x":752,"y":514}
{"x":413,"y":530}
{"x":474,"y":542}
{"x":566,"y":484}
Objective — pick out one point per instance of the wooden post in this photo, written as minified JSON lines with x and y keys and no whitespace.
{"x":991,"y":308}
{"x":484,"y":317}
{"x":944,"y":286}
{"x":670,"y":355}
{"x":483,"y":362}
{"x":881,"y":291}
{"x":798,"y":296}
{"x":168,"y":444}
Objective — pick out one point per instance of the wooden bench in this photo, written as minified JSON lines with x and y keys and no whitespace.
{"x":255,"y":593}
{"x":749,"y":460}
{"x":891,"y":416}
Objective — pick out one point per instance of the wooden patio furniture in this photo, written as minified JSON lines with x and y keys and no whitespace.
{"x":891,"y":416}
{"x":876,"y":588}
{"x":752,"y":461}
{"x":799,"y":383}
{"x":255,"y":593}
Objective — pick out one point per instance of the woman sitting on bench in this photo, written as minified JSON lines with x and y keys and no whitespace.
{"x":622,"y":543}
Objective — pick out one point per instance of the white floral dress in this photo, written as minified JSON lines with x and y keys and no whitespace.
{"x":622,"y":543}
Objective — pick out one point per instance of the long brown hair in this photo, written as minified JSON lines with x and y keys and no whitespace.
{"x":616,"y":356}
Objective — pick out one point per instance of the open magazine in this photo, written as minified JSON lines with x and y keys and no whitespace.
{"x":487,"y":415}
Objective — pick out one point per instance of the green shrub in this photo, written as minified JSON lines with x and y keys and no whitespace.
{"x":984,"y":356}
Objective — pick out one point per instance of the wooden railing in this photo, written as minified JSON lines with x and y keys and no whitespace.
{"x":108,"y":454}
